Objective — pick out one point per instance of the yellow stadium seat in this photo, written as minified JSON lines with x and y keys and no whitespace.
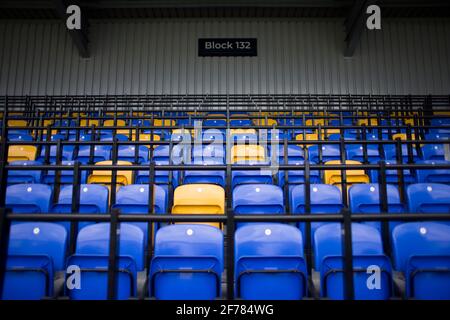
{"x":330,"y":132}
{"x":180,"y":131}
{"x":17,"y":123}
{"x":373,"y":122}
{"x":88,"y":123}
{"x":21,"y":153}
{"x":163,"y":123}
{"x":119,"y":123}
{"x":124,"y":177}
{"x":82,"y":114}
{"x":147,"y":137}
{"x":264,"y":122}
{"x":308,"y":137}
{"x":114,"y":113}
{"x":48,"y":122}
{"x":441,"y":113}
{"x":403,"y":136}
{"x":199,"y":199}
{"x":409,"y":121}
{"x":334,"y":177}
{"x":242,"y":131}
{"x":250,"y":152}
{"x":315,"y":122}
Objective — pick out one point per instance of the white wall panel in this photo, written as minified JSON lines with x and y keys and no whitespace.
{"x":160,"y":56}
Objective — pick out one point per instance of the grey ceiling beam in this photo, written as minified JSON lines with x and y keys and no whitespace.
{"x":355,"y":24}
{"x":79,"y":37}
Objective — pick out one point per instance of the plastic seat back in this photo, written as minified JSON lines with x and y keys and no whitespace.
{"x":199,"y":199}
{"x":330,"y":152}
{"x":333,"y":177}
{"x":250,"y":152}
{"x":93,"y":199}
{"x":124,"y":177}
{"x":428,"y":198}
{"x":365,"y":198}
{"x":133,"y":199}
{"x":325,"y":199}
{"x":433,"y":175}
{"x":269,"y":262}
{"x":206,"y":177}
{"x":92,"y":255}
{"x":24,"y":176}
{"x":36,"y":251}
{"x":421,"y":250}
{"x":367,"y":252}
{"x":29,"y":198}
{"x":21,"y":153}
{"x":433,"y":152}
{"x":187,"y":263}
{"x":260,"y":176}
{"x":258,"y":199}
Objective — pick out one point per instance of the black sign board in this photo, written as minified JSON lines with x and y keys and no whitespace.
{"x":227,"y":47}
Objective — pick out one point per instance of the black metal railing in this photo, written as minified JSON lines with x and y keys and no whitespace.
{"x":37,"y":109}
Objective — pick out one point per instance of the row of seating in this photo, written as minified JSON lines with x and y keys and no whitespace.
{"x":188,"y":262}
{"x":187,"y":153}
{"x":246,"y":199}
{"x":289,"y":178}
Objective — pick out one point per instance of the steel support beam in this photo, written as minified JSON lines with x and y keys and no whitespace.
{"x":80,"y":37}
{"x":355,"y":25}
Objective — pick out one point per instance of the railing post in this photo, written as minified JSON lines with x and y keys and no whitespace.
{"x":347,"y":246}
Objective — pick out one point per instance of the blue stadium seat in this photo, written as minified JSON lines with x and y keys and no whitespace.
{"x":161,"y":157}
{"x":356,"y":153}
{"x":37,"y":250}
{"x":92,"y":255}
{"x":329,"y":152}
{"x":441,"y":121}
{"x":391,"y":154}
{"x":298,"y":176}
{"x":66,"y":176}
{"x":392,"y":175}
{"x":339,"y":122}
{"x":428,"y":198}
{"x":421,"y":250}
{"x":101,"y":153}
{"x":437,"y":135}
{"x":367,"y":252}
{"x":29,"y":198}
{"x":239,"y":177}
{"x":24,"y":176}
{"x":94,"y":198}
{"x":257,"y":199}
{"x":133,"y":199}
{"x":294,"y":153}
{"x":433,"y":175}
{"x":19,"y":135}
{"x":365,"y":198}
{"x":433,"y":152}
{"x":187,"y":263}
{"x":66,"y":154}
{"x":208,"y":177}
{"x":215,"y":123}
{"x":325,"y":199}
{"x":269,"y":262}
{"x":241,"y":122}
{"x":214,"y":151}
{"x":217,"y":135}
{"x":278,"y":135}
{"x":127,"y":153}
